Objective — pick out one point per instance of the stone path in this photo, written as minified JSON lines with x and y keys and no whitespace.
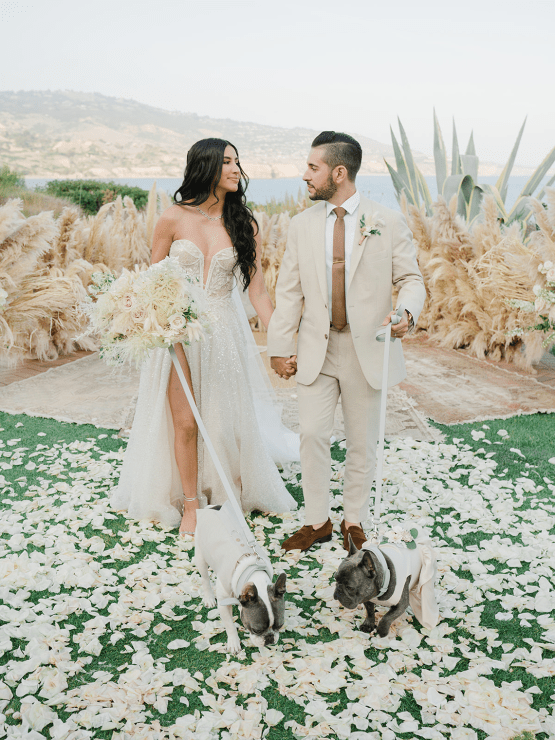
{"x":452,"y":387}
{"x":447,"y":386}
{"x":84,"y":391}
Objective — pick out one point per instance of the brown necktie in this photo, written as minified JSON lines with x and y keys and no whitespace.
{"x":338,"y":311}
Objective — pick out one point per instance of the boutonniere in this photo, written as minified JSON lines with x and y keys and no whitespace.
{"x":371,"y":228}
{"x":397,"y":535}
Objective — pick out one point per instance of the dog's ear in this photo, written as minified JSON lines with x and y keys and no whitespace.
{"x":249,"y":595}
{"x":367,"y":565}
{"x":277,"y":589}
{"x":352,"y":547}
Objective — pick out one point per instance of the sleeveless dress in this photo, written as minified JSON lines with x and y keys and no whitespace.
{"x":234,"y":402}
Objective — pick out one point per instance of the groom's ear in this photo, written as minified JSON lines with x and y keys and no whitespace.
{"x":340,"y":174}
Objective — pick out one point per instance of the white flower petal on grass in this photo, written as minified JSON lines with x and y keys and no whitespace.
{"x":178,"y":644}
{"x":411,"y":638}
{"x":423,"y":482}
{"x":161,"y":628}
{"x":463,"y":733}
{"x":273,"y":717}
{"x":36,"y":715}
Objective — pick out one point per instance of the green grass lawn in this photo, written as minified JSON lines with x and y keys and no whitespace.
{"x":92,"y":604}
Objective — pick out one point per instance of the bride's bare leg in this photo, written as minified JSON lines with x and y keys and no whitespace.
{"x":185,"y":447}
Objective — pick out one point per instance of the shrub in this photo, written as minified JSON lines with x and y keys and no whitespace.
{"x":90,"y":195}
{"x":288,"y":204}
{"x":10,"y":179}
{"x":12,"y":185}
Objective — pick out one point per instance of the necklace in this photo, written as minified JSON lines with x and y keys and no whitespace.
{"x":210,"y":218}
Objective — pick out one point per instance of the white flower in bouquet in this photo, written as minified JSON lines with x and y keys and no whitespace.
{"x":145,"y":309}
{"x":128,"y":302}
{"x":550,"y":275}
{"x":540,"y":304}
{"x":177,"y":321}
{"x":396,"y":534}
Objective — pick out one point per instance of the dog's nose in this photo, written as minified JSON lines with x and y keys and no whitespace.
{"x":269,"y":639}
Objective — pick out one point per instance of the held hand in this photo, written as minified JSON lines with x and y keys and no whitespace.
{"x":399,"y":330}
{"x":285,"y":367}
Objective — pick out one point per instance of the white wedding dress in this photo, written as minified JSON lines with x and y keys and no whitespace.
{"x":236,"y":403}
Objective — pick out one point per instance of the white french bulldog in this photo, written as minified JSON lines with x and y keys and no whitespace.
{"x":242,"y":578}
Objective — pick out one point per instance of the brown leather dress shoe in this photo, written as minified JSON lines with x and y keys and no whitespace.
{"x":308,"y":536}
{"x":357,"y":534}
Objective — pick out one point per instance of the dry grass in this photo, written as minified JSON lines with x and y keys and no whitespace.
{"x":33,"y":202}
{"x":470,"y":275}
{"x":46,"y":261}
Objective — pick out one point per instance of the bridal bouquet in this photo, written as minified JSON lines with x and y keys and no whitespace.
{"x":543,"y":306}
{"x":141,"y":310}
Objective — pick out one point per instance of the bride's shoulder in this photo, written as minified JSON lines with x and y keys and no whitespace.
{"x":175,"y":213}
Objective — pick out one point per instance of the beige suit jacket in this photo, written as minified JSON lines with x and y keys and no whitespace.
{"x":377,"y":264}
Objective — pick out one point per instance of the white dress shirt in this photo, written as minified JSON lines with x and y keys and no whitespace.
{"x":351,"y":206}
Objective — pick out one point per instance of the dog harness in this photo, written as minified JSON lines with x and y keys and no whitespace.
{"x":225,"y":548}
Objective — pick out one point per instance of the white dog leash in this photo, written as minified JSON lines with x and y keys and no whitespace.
{"x":384,"y":335}
{"x":215,"y":459}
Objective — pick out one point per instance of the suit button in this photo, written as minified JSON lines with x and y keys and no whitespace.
{"x":325,"y":336}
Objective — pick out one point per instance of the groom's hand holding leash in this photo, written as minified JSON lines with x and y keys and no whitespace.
{"x":399,"y":330}
{"x":285,"y":367}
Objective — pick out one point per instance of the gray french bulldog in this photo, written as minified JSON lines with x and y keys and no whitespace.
{"x":361,"y":577}
{"x":243,"y":579}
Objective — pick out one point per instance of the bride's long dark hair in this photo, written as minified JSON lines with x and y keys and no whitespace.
{"x":202,"y":173}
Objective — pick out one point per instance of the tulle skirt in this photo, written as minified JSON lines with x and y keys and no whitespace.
{"x":242,"y":418}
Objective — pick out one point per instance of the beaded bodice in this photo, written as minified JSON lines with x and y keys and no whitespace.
{"x":219,"y":280}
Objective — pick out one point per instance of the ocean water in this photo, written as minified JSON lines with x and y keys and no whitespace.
{"x":377,"y":187}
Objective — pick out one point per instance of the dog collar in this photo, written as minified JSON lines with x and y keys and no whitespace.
{"x":379,"y":555}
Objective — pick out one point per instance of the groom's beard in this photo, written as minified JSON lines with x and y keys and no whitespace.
{"x":325,"y":193}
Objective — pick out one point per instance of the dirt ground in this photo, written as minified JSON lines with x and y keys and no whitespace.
{"x":446,"y":386}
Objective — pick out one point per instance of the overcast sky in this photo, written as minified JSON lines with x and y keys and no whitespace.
{"x":351,"y":65}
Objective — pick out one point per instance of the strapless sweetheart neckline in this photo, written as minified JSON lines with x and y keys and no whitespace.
{"x":177,"y":241}
{"x":212,"y":262}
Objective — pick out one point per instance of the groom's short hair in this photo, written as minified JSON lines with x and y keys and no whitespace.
{"x":340,"y":149}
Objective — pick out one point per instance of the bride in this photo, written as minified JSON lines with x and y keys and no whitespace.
{"x":166,"y":474}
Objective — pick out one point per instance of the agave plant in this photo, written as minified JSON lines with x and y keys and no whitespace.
{"x":463,"y":180}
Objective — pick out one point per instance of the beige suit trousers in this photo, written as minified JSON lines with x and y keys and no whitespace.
{"x":341,"y":375}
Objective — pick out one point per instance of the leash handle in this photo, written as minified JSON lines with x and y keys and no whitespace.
{"x":383,"y":335}
{"x":215,"y":459}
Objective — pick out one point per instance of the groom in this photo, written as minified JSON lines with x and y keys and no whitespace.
{"x":343,"y":257}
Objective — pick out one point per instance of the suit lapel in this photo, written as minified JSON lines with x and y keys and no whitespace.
{"x":365,"y":207}
{"x":318,"y":232}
